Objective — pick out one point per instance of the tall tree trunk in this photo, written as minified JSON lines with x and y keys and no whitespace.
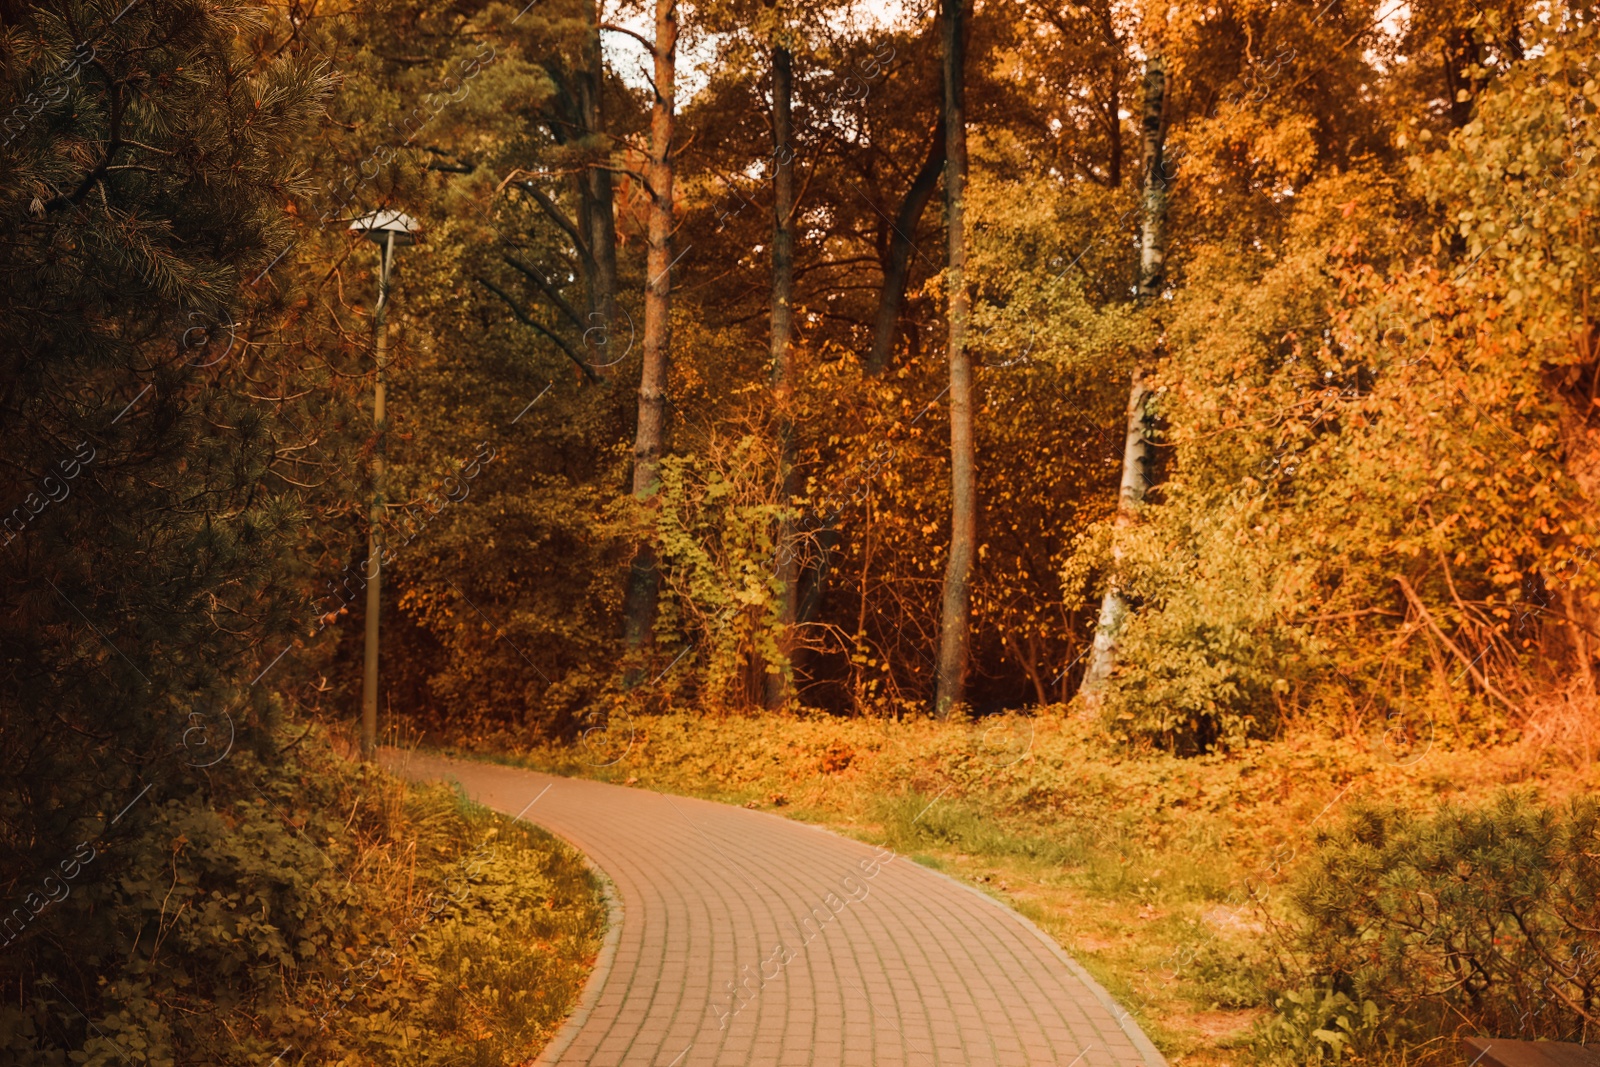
{"x":1114,"y":162}
{"x":599,"y":224}
{"x":644,"y":579}
{"x":950,"y":686}
{"x":1136,"y":445}
{"x":897,"y":270}
{"x":1108,"y":30}
{"x":779,"y":685}
{"x":1153,"y":235}
{"x":1461,"y":53}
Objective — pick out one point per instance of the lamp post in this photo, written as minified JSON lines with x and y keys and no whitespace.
{"x":389,"y":230}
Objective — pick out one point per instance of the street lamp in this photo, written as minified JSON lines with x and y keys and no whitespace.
{"x":389,"y":229}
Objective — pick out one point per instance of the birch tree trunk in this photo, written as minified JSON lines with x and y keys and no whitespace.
{"x":1136,"y":445}
{"x":779,"y":685}
{"x":644,"y":577}
{"x":1153,"y":237}
{"x":950,"y":686}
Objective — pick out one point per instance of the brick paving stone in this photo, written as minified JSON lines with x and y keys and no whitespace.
{"x":748,"y":940}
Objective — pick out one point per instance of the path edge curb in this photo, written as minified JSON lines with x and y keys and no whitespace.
{"x":1146,"y":1048}
{"x":1141,"y":1041}
{"x":595,"y":986}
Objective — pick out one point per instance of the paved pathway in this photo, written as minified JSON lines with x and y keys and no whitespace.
{"x":747,"y":939}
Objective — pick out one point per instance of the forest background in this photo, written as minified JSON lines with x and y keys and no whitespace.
{"x":1202,"y":377}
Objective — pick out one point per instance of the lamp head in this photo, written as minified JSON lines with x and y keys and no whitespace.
{"x":377,"y":226}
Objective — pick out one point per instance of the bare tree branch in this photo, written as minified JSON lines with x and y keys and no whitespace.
{"x":1471,"y":664}
{"x":549,"y":290}
{"x":523,"y":318}
{"x":559,"y":217}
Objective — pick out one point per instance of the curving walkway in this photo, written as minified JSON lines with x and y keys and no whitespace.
{"x":745,"y":939}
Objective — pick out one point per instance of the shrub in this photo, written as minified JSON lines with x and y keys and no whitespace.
{"x":329,"y":914}
{"x":1203,"y":656}
{"x":1485,"y":920}
{"x":718,"y":513}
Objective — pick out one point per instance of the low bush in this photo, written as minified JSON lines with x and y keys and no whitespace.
{"x":319,"y":912}
{"x":1319,"y":1024}
{"x":1482,"y":921}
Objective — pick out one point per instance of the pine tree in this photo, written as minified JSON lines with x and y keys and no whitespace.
{"x":149,"y":473}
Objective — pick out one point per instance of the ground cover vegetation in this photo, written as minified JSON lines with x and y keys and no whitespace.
{"x":332,"y":914}
{"x":1206,"y":388}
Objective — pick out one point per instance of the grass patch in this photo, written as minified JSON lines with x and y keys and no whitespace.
{"x":496,"y":979}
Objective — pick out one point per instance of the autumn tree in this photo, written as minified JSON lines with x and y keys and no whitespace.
{"x":649,"y":437}
{"x":1136,"y":449}
{"x":951,"y":685}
